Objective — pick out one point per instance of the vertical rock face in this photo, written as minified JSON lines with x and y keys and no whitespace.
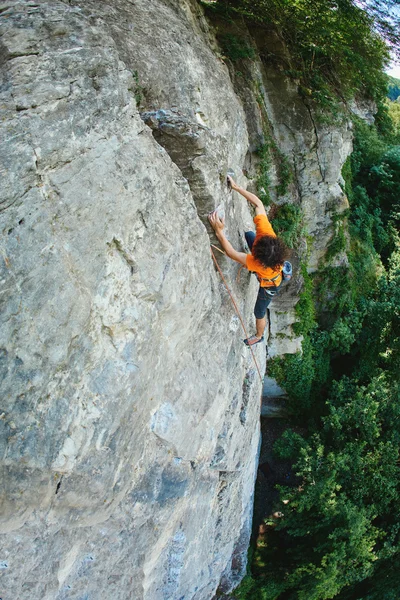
{"x":129,"y":439}
{"x":130,"y":406}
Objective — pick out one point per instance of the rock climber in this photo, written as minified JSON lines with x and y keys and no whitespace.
{"x":266,"y":259}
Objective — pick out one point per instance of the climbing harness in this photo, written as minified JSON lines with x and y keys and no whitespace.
{"x":260,"y":279}
{"x":268,"y":289}
{"x":235,"y":307}
{"x":286,"y":274}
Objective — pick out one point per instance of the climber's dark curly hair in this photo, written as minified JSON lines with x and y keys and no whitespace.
{"x":270,"y":251}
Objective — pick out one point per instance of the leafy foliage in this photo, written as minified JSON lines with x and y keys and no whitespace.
{"x":394,"y":113}
{"x":296,"y":373}
{"x":266,"y":152}
{"x":334,"y":49}
{"x":236,"y":48}
{"x":263,"y":178}
{"x":269,"y":154}
{"x":288,"y":223}
{"x":338,"y":243}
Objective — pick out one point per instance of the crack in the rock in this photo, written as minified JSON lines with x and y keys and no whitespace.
{"x":3,"y":208}
{"x":42,"y":182}
{"x":19,"y":108}
{"x":290,"y":130}
{"x":296,"y":177}
{"x":316,"y":146}
{"x":117,"y":244}
{"x":269,"y":325}
{"x":108,"y":332}
{"x":22,"y":54}
{"x":59,"y":485}
{"x":181,"y":139}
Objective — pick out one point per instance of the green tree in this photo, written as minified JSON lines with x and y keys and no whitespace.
{"x":394,"y":112}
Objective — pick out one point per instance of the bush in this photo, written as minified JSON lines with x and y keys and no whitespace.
{"x":236,"y":48}
{"x":263,"y":179}
{"x":288,"y":224}
{"x":305,"y":308}
{"x":295,"y":373}
{"x":338,"y":243}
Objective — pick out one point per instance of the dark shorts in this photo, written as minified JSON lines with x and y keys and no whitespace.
{"x":263,"y":301}
{"x":263,"y":298}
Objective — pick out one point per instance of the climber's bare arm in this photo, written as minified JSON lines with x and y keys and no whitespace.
{"x":218,"y":226}
{"x":252,"y":198}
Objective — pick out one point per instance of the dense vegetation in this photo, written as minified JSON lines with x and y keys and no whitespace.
{"x":394,"y":112}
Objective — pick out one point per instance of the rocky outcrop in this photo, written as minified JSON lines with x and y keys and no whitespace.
{"x":130,"y":406}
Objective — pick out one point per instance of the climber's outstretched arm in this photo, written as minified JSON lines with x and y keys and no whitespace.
{"x":218,"y":226}
{"x":252,"y":198}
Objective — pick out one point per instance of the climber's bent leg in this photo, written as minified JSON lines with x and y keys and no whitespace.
{"x":262,"y":303}
{"x":260,"y":309}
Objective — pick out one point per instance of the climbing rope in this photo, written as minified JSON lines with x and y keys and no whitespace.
{"x":235,"y":306}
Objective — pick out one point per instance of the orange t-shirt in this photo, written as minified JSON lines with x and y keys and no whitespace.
{"x":263,"y":227}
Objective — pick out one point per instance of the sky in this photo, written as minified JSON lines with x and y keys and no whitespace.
{"x":394,"y":71}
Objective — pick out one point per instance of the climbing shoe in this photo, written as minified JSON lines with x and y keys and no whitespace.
{"x":253,"y":340}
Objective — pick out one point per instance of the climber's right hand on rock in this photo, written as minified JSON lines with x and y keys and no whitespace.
{"x":216,"y":223}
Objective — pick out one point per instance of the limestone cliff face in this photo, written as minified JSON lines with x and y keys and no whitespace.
{"x":130,"y":405}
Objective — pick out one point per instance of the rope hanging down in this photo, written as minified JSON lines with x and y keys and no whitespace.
{"x":236,"y":309}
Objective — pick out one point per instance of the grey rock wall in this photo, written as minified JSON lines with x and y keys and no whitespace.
{"x":129,"y":440}
{"x":129,"y":405}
